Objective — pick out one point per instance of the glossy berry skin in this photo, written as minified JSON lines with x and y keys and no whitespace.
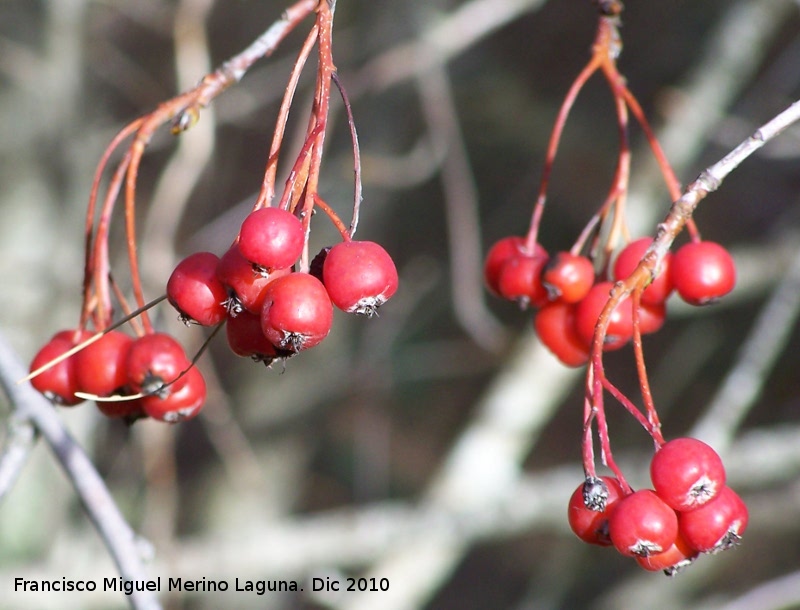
{"x":246,"y":339}
{"x":100,"y":367}
{"x":499,"y":253}
{"x":589,"y":525}
{"x":271,"y":238}
{"x":297,"y":312}
{"x":245,"y":286}
{"x":628,"y":259}
{"x":182,"y":403}
{"x":620,"y":327}
{"x":359,"y":276}
{"x":687,"y":473}
{"x":520,"y":280}
{"x":555,"y":326}
{"x":702,"y":272}
{"x":59,"y":383}
{"x":568,"y":277}
{"x":195,"y":290}
{"x":642,"y":524}
{"x":717,"y":525}
{"x":153,"y":360}
{"x":675,"y":558}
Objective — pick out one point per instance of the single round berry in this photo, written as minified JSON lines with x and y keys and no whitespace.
{"x":642,"y":524}
{"x":271,"y":238}
{"x":155,"y":360}
{"x":359,"y":276}
{"x":671,"y":561}
{"x":687,"y":473}
{"x":702,"y":272}
{"x":659,"y":289}
{"x":100,"y":367}
{"x":717,"y":525}
{"x":244,"y":284}
{"x":182,"y":403}
{"x":568,"y":277}
{"x":297,"y":312}
{"x":499,"y":253}
{"x":590,"y":523}
{"x":59,"y":382}
{"x":587,"y":313}
{"x":555,"y":326}
{"x":520,"y":280}
{"x":195,"y":290}
{"x":246,"y":339}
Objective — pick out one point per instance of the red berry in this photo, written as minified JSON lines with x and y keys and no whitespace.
{"x":499,"y":253}
{"x":359,"y":276}
{"x":154,"y":360}
{"x":687,"y":473}
{"x":59,"y":383}
{"x":271,"y":238}
{"x":520,"y":280}
{"x":568,"y":277}
{"x":555,"y":326}
{"x":717,"y":525}
{"x":129,"y":410}
{"x":182,"y":403}
{"x":297,"y":312}
{"x":652,"y":317}
{"x":195,"y":290}
{"x":671,"y":561}
{"x":620,"y":327}
{"x":246,"y":338}
{"x":100,"y":367}
{"x":642,"y":524}
{"x":588,"y":524}
{"x":703,"y":272}
{"x":628,"y":259}
{"x":245,"y":285}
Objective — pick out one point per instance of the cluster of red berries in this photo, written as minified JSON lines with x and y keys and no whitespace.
{"x":689,"y":511}
{"x":152,"y":371}
{"x":270,"y":310}
{"x":569,"y":294}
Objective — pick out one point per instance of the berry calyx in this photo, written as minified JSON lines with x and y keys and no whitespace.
{"x":245,"y":285}
{"x":297,"y":312}
{"x":271,"y":238}
{"x":195,"y":290}
{"x":568,"y":277}
{"x":359,"y":276}
{"x":687,"y":473}
{"x":153,"y":361}
{"x":246,"y":339}
{"x":642,"y":524}
{"x":180,"y":404}
{"x":717,"y":525}
{"x":673,"y":560}
{"x":702,"y":272}
{"x":588,"y":510}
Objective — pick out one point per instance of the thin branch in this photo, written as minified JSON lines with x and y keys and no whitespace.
{"x":121,"y":541}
